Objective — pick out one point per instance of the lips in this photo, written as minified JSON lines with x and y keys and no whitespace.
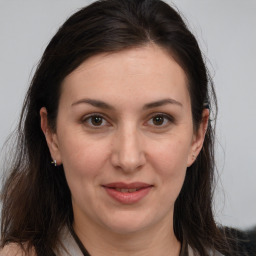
{"x":127,"y":193}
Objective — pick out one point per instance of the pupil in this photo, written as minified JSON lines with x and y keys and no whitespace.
{"x":97,"y":120}
{"x":158,"y":120}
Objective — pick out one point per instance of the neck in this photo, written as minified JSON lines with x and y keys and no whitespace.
{"x":156,"y":240}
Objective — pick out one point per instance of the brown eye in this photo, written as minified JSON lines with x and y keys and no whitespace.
{"x":158,"y":120}
{"x":96,"y":120}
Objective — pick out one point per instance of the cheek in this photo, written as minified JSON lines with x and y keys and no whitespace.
{"x":171,"y":157}
{"x":169,"y":160}
{"x":83,"y":163}
{"x":83,"y":158}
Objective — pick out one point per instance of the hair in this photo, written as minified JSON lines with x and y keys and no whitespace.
{"x":36,"y":198}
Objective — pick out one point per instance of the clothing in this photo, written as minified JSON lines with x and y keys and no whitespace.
{"x":71,"y":248}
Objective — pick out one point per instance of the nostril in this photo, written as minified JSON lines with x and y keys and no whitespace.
{"x":128,"y":163}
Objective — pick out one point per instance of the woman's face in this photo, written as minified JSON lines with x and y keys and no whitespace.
{"x":125,"y":138}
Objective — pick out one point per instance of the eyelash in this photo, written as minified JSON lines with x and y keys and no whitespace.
{"x":167,"y":119}
{"x":88,"y":120}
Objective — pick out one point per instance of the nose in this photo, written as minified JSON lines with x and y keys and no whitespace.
{"x":128,"y":152}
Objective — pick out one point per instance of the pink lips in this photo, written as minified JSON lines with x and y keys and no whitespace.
{"x":127,"y":193}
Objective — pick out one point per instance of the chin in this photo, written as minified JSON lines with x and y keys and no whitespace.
{"x":127,"y":223}
{"x":126,"y":228}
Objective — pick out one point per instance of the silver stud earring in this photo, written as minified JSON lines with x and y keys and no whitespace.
{"x":54,"y":162}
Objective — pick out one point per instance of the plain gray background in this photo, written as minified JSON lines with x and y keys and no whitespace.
{"x":227,"y":35}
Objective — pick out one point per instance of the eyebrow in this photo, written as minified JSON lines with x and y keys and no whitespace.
{"x":95,"y":103}
{"x":160,"y":103}
{"x":104,"y":105}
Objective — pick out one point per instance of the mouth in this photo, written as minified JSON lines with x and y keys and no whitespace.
{"x":127,"y":190}
{"x":127,"y":187}
{"x":127,"y":193}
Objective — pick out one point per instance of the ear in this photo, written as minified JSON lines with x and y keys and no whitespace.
{"x":198,"y":138}
{"x":50,"y":136}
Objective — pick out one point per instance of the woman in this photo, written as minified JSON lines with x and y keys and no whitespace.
{"x":115,"y":152}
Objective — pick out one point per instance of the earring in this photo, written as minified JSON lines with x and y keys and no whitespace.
{"x":54,"y":162}
{"x":193,"y":156}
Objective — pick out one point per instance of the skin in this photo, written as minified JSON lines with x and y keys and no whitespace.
{"x":13,"y":249}
{"x":132,"y":141}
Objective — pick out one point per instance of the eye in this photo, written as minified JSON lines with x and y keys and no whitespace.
{"x":95,"y":121}
{"x":160,"y":120}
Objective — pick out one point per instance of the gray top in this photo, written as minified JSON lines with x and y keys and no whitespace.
{"x":72,"y":249}
{"x":70,"y":246}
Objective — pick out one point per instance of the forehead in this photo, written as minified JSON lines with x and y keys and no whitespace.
{"x":149,"y":71}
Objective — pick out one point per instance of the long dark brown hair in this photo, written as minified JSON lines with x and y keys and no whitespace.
{"x":36,"y":198}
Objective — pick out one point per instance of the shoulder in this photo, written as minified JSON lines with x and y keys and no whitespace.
{"x":13,"y":249}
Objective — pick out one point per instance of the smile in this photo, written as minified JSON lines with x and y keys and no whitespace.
{"x":127,"y":193}
{"x":126,"y":190}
